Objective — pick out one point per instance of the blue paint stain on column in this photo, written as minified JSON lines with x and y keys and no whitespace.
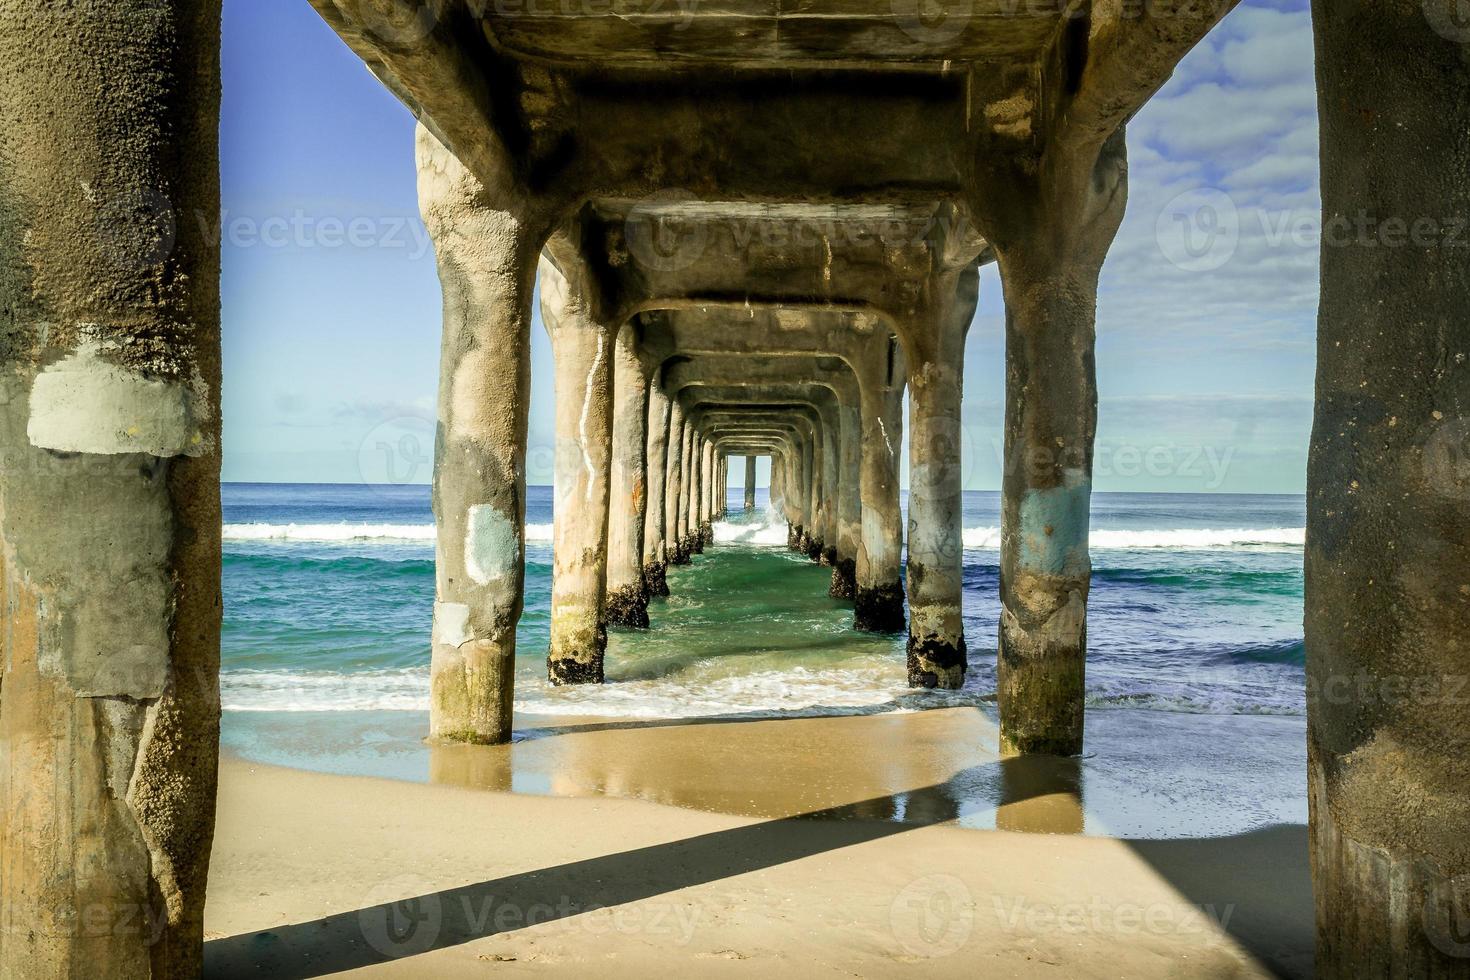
{"x":1054,"y":526}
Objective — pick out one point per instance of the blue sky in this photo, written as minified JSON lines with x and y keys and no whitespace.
{"x":1206,"y":311}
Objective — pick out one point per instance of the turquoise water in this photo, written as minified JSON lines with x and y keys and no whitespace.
{"x":1196,"y":608}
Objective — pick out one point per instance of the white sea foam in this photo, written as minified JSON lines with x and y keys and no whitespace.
{"x":1181,"y":539}
{"x":773,"y":533}
{"x":386,"y":533}
{"x":868,"y":685}
{"x":768,"y":533}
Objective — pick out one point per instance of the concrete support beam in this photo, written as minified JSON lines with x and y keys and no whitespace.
{"x":750,"y":484}
{"x":696,"y":492}
{"x":1049,"y":274}
{"x":583,"y":347}
{"x":878,"y":606}
{"x":109,"y":485}
{"x":627,"y":593}
{"x":1388,"y":498}
{"x":936,"y":647}
{"x":849,"y":494}
{"x":675,"y":526}
{"x":655,"y":536}
{"x":711,"y":476}
{"x":487,"y":254}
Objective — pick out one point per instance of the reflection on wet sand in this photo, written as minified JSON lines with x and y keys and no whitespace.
{"x":1040,"y":795}
{"x":1146,"y":775}
{"x":898,"y":767}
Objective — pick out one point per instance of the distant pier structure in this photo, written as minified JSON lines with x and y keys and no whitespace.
{"x":757,"y":232}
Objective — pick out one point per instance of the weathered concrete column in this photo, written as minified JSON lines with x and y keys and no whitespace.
{"x":1388,"y":496}
{"x":711,"y":478}
{"x":583,"y":349}
{"x":830,"y":423}
{"x":1050,"y":256}
{"x":811,"y":493}
{"x":109,"y":485}
{"x":936,"y":647}
{"x":627,"y":595}
{"x":878,"y":606}
{"x":799,"y":494}
{"x":849,"y":500}
{"x":674,"y":494}
{"x":696,"y":492}
{"x":655,"y":538}
{"x":749,"y":484}
{"x":487,"y":270}
{"x":689,"y":491}
{"x":722,"y":488}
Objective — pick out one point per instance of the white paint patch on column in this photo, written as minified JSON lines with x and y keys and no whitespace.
{"x":84,"y":404}
{"x":586,"y":408}
{"x":451,"y":623}
{"x":492,"y":545}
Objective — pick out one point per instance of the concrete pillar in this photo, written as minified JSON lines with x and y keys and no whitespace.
{"x":849,"y":502}
{"x":655,"y":537}
{"x":627,"y":595}
{"x":798,"y":494}
{"x":690,"y":520}
{"x":1049,"y":271}
{"x":674,"y":494}
{"x":723,"y":489}
{"x":707,"y":518}
{"x":1388,"y":496}
{"x":831,"y":426}
{"x":689,"y":492}
{"x":775,"y":490}
{"x":811,"y":493}
{"x":487,"y":269}
{"x":936,"y":646}
{"x":749,"y":484}
{"x":109,"y":485}
{"x":583,"y":349}
{"x":878,"y":606}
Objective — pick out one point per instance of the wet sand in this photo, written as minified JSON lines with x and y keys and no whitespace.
{"x":1146,"y":774}
{"x":837,"y":845}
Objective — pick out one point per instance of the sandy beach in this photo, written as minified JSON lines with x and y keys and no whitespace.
{"x":818,"y":846}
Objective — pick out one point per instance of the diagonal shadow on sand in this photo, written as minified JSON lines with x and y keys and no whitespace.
{"x":1276,"y":930}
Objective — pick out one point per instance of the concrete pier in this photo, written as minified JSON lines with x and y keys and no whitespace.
{"x":674,"y":494}
{"x":784,"y":310}
{"x":583,"y":346}
{"x":936,"y":647}
{"x":1050,"y":287}
{"x":878,"y":606}
{"x":627,"y":591}
{"x":479,"y":466}
{"x":655,"y":537}
{"x":1388,"y":499}
{"x":109,"y":486}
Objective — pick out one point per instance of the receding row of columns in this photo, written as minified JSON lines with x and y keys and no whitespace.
{"x":109,"y":490}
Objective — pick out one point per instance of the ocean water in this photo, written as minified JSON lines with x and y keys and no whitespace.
{"x":1196,"y":608}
